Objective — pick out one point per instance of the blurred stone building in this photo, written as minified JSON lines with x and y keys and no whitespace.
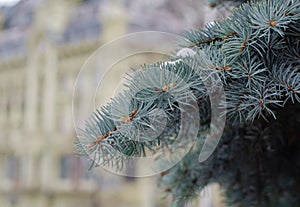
{"x":43,"y":45}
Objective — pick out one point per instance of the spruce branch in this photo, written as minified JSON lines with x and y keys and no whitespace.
{"x":255,"y":53}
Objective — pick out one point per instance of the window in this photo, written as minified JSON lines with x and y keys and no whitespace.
{"x":72,"y":168}
{"x":130,"y":170}
{"x":12,"y":168}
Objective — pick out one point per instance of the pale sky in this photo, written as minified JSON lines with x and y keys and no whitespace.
{"x":8,"y":2}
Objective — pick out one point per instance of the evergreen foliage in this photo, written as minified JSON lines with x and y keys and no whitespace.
{"x":256,"y":53}
{"x":225,"y":3}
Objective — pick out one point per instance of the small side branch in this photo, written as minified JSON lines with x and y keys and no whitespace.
{"x":213,"y":39}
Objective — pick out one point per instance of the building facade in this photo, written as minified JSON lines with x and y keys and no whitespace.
{"x":43,"y":45}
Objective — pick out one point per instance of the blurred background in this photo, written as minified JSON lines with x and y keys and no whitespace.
{"x":43,"y":45}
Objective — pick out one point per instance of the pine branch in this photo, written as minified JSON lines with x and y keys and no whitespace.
{"x":255,"y":53}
